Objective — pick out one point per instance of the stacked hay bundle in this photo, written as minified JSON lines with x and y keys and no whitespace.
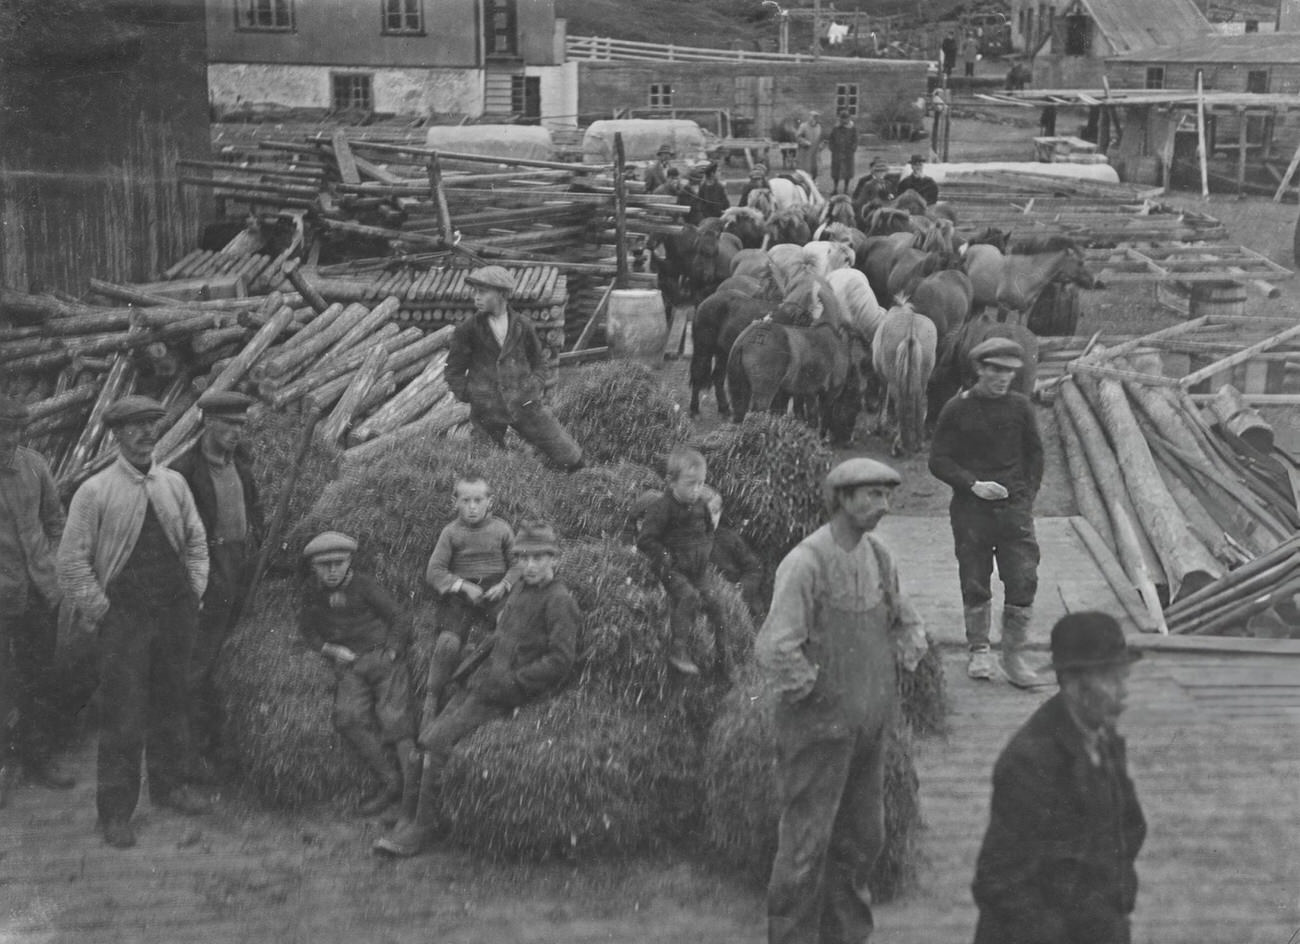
{"x":618,"y":411}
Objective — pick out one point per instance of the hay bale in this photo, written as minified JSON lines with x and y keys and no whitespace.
{"x":595,"y":501}
{"x":742,"y":804}
{"x":923,"y":694}
{"x":619,"y":411}
{"x":272,"y":437}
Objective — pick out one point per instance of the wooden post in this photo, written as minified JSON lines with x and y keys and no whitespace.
{"x":1200,"y":134}
{"x":620,"y":212}
{"x":305,"y":289}
{"x":440,"y":200}
{"x":1286,"y":178}
{"x":1241,"y":153}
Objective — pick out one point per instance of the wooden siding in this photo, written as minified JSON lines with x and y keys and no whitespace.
{"x":1219,"y":76}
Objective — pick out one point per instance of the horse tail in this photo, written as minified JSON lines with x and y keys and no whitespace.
{"x":909,"y":373}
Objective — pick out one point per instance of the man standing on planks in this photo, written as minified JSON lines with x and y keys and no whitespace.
{"x":219,"y":472}
{"x":1065,"y":825}
{"x":838,"y":624}
{"x":31,"y":520}
{"x":497,"y":366}
{"x":134,"y":562}
{"x":987,"y":448}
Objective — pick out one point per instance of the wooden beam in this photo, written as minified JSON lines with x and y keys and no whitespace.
{"x":1286,"y":178}
{"x":620,"y":211}
{"x":1239,"y":357}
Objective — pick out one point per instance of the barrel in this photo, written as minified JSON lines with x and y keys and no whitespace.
{"x":637,"y":327}
{"x":1218,"y":298}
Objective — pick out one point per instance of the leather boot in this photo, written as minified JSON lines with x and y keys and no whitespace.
{"x":446,"y":657}
{"x":367,"y":744}
{"x":978,"y":618}
{"x":1015,"y":644}
{"x":412,"y":838}
{"x":411,"y":760}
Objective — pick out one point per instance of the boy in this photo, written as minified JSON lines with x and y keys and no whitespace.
{"x":733,"y":558}
{"x":471,"y":569}
{"x":355,"y":624}
{"x":677,"y":536}
{"x":527,"y":658}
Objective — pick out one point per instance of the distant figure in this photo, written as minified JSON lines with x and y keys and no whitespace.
{"x":843,"y":141}
{"x":1047,"y":122}
{"x":710,"y":196}
{"x":757,"y":181}
{"x":657,"y":173}
{"x":1065,"y":825}
{"x":948,"y":53}
{"x":809,"y":141}
{"x":927,"y":187}
{"x":874,"y":190}
{"x":970,"y":53}
{"x":1017,"y":77}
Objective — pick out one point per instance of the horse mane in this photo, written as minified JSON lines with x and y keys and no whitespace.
{"x":710,"y":226}
{"x":838,"y":209}
{"x":990,"y":236}
{"x":760,"y":200}
{"x":1033,"y":245}
{"x":736,"y":214}
{"x":911,"y":201}
{"x":884,"y":221}
{"x":838,"y":233}
{"x":943,"y":210}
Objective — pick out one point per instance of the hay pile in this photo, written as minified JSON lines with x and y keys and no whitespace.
{"x":620,"y":412}
{"x":273,"y":436}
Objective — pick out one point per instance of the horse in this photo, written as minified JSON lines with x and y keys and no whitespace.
{"x":787,"y":226}
{"x":755,"y":263}
{"x":828,"y":256}
{"x":910,"y":201}
{"x":989,"y":236}
{"x":885,"y":221}
{"x":943,"y":210}
{"x":955,"y":371}
{"x":1012,"y":283}
{"x":746,"y":224}
{"x":694,"y":261}
{"x":945,"y":298}
{"x":903,"y":354}
{"x":838,"y":209}
{"x":911,"y":266}
{"x":772,"y":362}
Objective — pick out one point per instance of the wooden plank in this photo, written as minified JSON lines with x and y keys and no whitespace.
{"x":682,"y":317}
{"x":1218,"y":644}
{"x":343,"y":156}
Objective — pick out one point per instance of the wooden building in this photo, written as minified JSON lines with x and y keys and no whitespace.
{"x":97,"y":102}
{"x":1068,"y":41}
{"x":466,"y":58}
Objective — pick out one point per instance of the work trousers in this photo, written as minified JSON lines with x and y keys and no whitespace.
{"x":1001,"y":531}
{"x":537,"y":426}
{"x":465,"y":713}
{"x":686,"y":597}
{"x":373,"y":695}
{"x":29,"y":713}
{"x":228,"y":573}
{"x":832,"y":831}
{"x":145,"y":648}
{"x":459,"y":622}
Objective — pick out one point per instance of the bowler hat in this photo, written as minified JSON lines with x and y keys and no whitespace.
{"x":329,"y":542}
{"x":1089,"y":639}
{"x":862,"y":471}
{"x":225,"y":403}
{"x":132,"y":409}
{"x":536,"y":537}
{"x":1003,"y":352}
{"x":879,"y":162}
{"x":492,"y":277}
{"x":13,"y":412}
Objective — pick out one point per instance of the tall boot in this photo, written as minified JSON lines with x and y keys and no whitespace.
{"x":410,"y":761}
{"x":1015,"y":644}
{"x":411,"y":838}
{"x":367,"y":744}
{"x":978,"y":618}
{"x":446,"y":658}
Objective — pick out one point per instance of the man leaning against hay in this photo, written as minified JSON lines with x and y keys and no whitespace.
{"x":828,"y":648}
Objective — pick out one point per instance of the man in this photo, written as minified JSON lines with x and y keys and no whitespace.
{"x":948,"y":53}
{"x":1065,"y":826}
{"x":837,"y":624}
{"x":927,"y":187}
{"x":219,"y":472}
{"x":844,"y":148}
{"x":31,"y":520}
{"x":757,"y":181}
{"x":657,"y":173}
{"x":711,"y":196}
{"x":808,"y":137}
{"x":987,"y":448}
{"x":875,"y":190}
{"x":497,"y":366}
{"x":970,"y":54}
{"x":134,"y":562}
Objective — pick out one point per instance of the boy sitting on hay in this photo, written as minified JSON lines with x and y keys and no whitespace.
{"x":355,"y":624}
{"x":527,"y":657}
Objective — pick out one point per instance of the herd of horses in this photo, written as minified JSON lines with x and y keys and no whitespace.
{"x":834,"y":307}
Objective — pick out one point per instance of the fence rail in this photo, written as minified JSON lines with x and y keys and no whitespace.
{"x":604,"y":48}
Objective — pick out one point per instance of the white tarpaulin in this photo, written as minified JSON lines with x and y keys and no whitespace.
{"x":1101,"y":173}
{"x":641,"y":139}
{"x":511,"y":141}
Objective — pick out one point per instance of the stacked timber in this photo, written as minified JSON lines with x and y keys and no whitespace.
{"x":1177,"y":496}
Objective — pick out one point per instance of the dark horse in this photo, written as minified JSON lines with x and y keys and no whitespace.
{"x":693,"y":261}
{"x":954,"y":371}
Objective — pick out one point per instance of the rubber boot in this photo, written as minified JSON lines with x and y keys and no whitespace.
{"x":1015,"y":643}
{"x":978,"y":618}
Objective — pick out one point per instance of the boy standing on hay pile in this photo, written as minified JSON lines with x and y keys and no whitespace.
{"x":733,"y":558}
{"x":837,"y":625}
{"x":134,"y":563}
{"x":355,"y":624}
{"x":677,"y":536}
{"x":497,"y":366}
{"x":471,"y":569}
{"x":527,"y":658}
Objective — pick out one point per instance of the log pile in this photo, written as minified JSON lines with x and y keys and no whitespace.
{"x":1199,"y":521}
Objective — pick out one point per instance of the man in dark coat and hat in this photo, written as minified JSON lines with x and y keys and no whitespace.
{"x":1065,"y":826}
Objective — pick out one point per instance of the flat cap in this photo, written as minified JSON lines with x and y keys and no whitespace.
{"x":13,"y":412}
{"x":1089,"y":639}
{"x":492,"y":276}
{"x":758,"y":170}
{"x":1003,"y":352}
{"x":862,"y":471}
{"x":879,"y":162}
{"x":536,"y":537}
{"x":225,"y":403}
{"x":329,"y":542}
{"x":916,"y":159}
{"x":664,"y":148}
{"x":132,"y":409}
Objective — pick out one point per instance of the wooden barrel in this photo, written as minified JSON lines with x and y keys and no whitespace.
{"x":637,"y":325}
{"x":1218,"y":298}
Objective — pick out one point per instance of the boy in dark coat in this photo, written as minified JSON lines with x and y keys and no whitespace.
{"x":527,"y":658}
{"x":356,"y":625}
{"x":733,"y":558}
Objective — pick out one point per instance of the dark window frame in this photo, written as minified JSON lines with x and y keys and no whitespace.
{"x":355,"y":79}
{"x":1078,"y":34}
{"x":247,"y":12}
{"x":492,"y":9}
{"x":401,"y":10}
{"x":847,"y":96}
{"x":660,"y":95}
{"x":1155,"y":78}
{"x":1252,"y":81}
{"x":520,"y":87}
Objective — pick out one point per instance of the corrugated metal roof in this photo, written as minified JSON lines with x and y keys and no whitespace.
{"x":1248,"y":48}
{"x":1137,"y":24}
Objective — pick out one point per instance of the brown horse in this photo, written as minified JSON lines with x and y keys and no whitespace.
{"x":1012,"y":283}
{"x":693,"y":261}
{"x":954,"y":369}
{"x":903,"y":353}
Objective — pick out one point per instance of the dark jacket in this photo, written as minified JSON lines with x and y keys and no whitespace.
{"x":536,"y":638}
{"x":871,"y":190}
{"x":843,"y":142}
{"x":711,"y":199}
{"x":733,"y":558}
{"x":1056,"y":866}
{"x":988,"y":439}
{"x":193,"y":466}
{"x":927,"y":187}
{"x":677,"y":537}
{"x":364,"y":617}
{"x":496,"y":379}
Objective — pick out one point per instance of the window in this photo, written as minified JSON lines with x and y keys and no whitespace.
{"x":501,"y":29}
{"x":403,"y":17}
{"x":846,"y":98}
{"x":1078,"y":35}
{"x":661,"y":95}
{"x":1252,"y":26}
{"x":1257,"y":81}
{"x":264,"y":14}
{"x":1155,"y":77}
{"x":526,"y":98}
{"x":353,"y":90}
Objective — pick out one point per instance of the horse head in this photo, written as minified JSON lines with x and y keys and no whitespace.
{"x":760,"y":199}
{"x":990,"y":236}
{"x":838,"y":209}
{"x":885,"y":221}
{"x":943,"y":210}
{"x":788,"y":226}
{"x":745,"y":223}
{"x":910,"y":202}
{"x":1074,"y":268}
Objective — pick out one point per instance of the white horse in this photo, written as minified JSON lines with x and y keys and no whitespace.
{"x":857,"y":301}
{"x":782,"y":193}
{"x":903,"y":354}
